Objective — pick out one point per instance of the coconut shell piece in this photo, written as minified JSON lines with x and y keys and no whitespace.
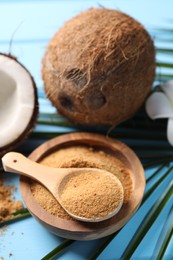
{"x":99,"y":67}
{"x":18,"y":103}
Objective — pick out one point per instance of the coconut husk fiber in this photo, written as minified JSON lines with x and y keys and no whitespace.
{"x":99,"y":67}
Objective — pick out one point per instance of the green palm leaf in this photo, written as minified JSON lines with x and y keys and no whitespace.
{"x":165,"y":51}
{"x":58,"y":249}
{"x":165,"y":237}
{"x":147,"y":222}
{"x":165,"y":65}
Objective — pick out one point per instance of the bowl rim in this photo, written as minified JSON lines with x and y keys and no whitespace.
{"x":76,"y":229}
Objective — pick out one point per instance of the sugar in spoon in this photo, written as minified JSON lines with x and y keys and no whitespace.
{"x":55,"y":180}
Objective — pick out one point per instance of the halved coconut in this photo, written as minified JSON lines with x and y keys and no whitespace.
{"x":18,"y":103}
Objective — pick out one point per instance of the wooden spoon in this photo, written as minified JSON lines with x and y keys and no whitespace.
{"x":54,"y":178}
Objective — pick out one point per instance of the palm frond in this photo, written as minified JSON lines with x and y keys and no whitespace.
{"x":165,"y":237}
{"x":165,"y":65}
{"x":56,"y":251}
{"x":149,"y":219}
{"x":165,"y":51}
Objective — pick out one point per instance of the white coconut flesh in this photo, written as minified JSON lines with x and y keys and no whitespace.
{"x":17,"y":100}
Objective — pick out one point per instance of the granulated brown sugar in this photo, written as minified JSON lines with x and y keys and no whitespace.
{"x":91,"y":195}
{"x":47,"y":201}
{"x":80,"y":156}
{"x":7,"y":204}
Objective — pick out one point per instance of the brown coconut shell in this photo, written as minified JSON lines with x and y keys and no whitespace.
{"x":99,"y":67}
{"x":31,"y":124}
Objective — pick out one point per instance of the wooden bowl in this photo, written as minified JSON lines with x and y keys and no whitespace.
{"x":77,"y":230}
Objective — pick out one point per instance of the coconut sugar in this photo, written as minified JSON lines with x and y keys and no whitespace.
{"x":91,"y":195}
{"x":7,"y":204}
{"x":78,"y":157}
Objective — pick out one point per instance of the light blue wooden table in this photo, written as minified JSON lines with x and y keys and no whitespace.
{"x":31,"y":24}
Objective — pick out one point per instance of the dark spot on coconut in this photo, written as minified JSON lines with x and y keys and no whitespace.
{"x":77,"y":77}
{"x":95,"y":100}
{"x":103,"y":77}
{"x":66,"y":102}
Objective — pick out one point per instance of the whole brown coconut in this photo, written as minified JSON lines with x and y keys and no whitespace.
{"x":99,"y":67}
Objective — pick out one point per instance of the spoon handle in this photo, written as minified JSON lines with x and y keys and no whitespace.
{"x":18,"y":163}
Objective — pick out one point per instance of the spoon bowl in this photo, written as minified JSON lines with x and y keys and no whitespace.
{"x":55,"y":180}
